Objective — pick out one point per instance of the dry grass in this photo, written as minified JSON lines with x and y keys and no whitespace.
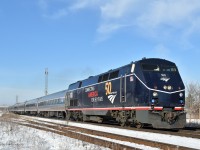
{"x":8,"y":117}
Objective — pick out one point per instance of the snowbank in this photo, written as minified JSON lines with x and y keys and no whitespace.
{"x":193,"y":123}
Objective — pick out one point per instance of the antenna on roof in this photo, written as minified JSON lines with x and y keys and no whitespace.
{"x":46,"y":81}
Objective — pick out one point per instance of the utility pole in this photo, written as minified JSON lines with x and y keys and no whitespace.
{"x":17,"y":99}
{"x":46,"y":81}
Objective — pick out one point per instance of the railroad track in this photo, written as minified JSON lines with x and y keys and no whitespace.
{"x":78,"y":134}
{"x":96,"y":137}
{"x":186,"y":132}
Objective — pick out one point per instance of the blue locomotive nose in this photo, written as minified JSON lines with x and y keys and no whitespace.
{"x":169,"y":100}
{"x":165,"y":85}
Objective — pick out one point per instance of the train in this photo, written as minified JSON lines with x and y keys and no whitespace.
{"x":146,"y":92}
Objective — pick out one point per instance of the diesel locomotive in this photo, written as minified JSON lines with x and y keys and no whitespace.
{"x":144,"y":92}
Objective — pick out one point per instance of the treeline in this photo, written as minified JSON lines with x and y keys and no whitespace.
{"x":192,"y":102}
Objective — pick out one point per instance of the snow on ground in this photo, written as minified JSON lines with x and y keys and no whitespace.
{"x":16,"y":137}
{"x":130,"y":144}
{"x":193,"y":123}
{"x":171,"y":139}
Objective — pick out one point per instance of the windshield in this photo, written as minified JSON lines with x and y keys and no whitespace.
{"x":152,"y":67}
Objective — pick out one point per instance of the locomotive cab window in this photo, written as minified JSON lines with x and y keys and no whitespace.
{"x":163,"y":68}
{"x":150,"y":67}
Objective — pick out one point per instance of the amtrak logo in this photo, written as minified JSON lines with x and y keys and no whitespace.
{"x":111,"y":95}
{"x":164,"y":78}
{"x":112,"y":98}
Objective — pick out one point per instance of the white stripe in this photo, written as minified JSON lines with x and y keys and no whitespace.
{"x":155,"y":89}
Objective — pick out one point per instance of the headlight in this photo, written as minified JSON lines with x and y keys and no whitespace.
{"x":155,"y":94}
{"x":169,"y":87}
{"x":181,"y":94}
{"x":164,"y":87}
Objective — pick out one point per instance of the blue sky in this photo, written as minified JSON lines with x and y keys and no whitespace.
{"x":75,"y":39}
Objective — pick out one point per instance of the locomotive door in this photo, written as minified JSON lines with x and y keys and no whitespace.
{"x":123,"y":89}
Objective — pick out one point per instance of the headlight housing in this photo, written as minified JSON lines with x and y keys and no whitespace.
{"x":169,"y":87}
{"x":155,"y":94}
{"x":165,"y":87}
{"x":181,"y":94}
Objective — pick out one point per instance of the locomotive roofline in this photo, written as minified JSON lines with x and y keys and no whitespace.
{"x":116,"y":69}
{"x":128,"y":76}
{"x":129,"y":73}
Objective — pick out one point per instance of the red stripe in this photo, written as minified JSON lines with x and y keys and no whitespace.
{"x":178,"y":108}
{"x":116,"y":108}
{"x":158,"y":108}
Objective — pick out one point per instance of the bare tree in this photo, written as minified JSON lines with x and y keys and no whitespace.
{"x":193,"y":99}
